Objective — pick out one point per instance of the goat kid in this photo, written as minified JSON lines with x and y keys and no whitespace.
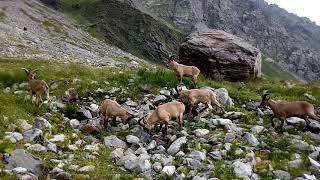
{"x":183,"y":70}
{"x":196,"y":96}
{"x":36,"y":87}
{"x":111,"y":109}
{"x":163,"y":114}
{"x":283,"y":110}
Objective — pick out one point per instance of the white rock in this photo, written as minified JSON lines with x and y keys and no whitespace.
{"x":72,"y":147}
{"x":132,"y":139}
{"x":37,"y":148}
{"x":74,"y":123}
{"x":87,"y":168}
{"x":201,"y":132}
{"x":58,"y":138}
{"x":92,"y":148}
{"x":241,"y":169}
{"x":175,"y":146}
{"x":257,"y":129}
{"x":314,"y":163}
{"x":221,"y":122}
{"x":19,"y":170}
{"x":114,"y":141}
{"x":169,"y":170}
{"x":117,"y":153}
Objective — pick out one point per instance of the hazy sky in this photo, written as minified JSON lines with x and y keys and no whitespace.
{"x":305,"y":8}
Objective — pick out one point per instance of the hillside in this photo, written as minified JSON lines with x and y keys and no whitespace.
{"x":291,"y":41}
{"x":216,"y":145}
{"x":29,"y":30}
{"x":91,"y":50}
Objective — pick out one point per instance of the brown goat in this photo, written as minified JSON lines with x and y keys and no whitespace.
{"x":196,"y":96}
{"x":283,"y":110}
{"x":163,"y":114}
{"x":36,"y":87}
{"x":183,"y":70}
{"x":111,"y":109}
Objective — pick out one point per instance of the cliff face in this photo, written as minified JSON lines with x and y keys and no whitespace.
{"x":291,"y":41}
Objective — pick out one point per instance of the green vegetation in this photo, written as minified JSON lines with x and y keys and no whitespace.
{"x":271,"y":69}
{"x":88,"y":79}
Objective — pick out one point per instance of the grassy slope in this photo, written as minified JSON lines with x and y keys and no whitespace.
{"x":14,"y":106}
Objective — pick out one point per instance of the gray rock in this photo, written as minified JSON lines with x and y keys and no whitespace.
{"x":242,"y":169}
{"x":20,"y":170}
{"x":314,"y":163}
{"x":192,"y":163}
{"x":113,"y":141}
{"x":51,"y":146}
{"x":20,"y":158}
{"x":131,"y":103}
{"x":132,"y":139}
{"x":92,"y":147}
{"x":159,"y":98}
{"x":199,"y":178}
{"x":309,"y":177}
{"x":87,"y":168}
{"x":251,"y":139}
{"x":257,"y":129}
{"x":23,"y":124}
{"x":42,"y":123}
{"x":131,"y":163}
{"x":229,"y":137}
{"x":223,"y":97}
{"x":7,"y":90}
{"x":296,"y":121}
{"x":309,"y":96}
{"x":151,"y":145}
{"x":32,"y":134}
{"x":74,"y":123}
{"x":233,"y":115}
{"x":165,"y":92}
{"x":175,"y":146}
{"x":117,"y":153}
{"x":201,"y":156}
{"x":216,"y":155}
{"x":94,"y":108}
{"x":84,"y":113}
{"x":157,"y":167}
{"x":282,"y":175}
{"x":58,"y":138}
{"x":144,"y":165}
{"x":37,"y":148}
{"x":300,"y":145}
{"x":169,"y":170}
{"x":70,"y":95}
{"x":221,"y":122}
{"x":295,"y":163}
{"x":13,"y":136}
{"x":201,"y":132}
{"x":314,"y":126}
{"x":237,"y":60}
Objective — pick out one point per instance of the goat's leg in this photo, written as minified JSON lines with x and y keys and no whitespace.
{"x":306,"y":118}
{"x":272,"y":122}
{"x":194,"y":79}
{"x":190,"y":109}
{"x":181,"y":120}
{"x":282,"y":123}
{"x":166,"y":128}
{"x":113,"y":121}
{"x":105,"y":122}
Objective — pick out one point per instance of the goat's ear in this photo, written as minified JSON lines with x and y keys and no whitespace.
{"x":25,"y":70}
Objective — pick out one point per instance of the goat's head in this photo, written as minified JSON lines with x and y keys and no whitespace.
{"x":143,"y":121}
{"x":170,"y":62}
{"x":30,"y":73}
{"x":127,"y":117}
{"x":265,"y":97}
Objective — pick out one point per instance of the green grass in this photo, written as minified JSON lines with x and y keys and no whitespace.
{"x":13,"y":106}
{"x":271,"y":69}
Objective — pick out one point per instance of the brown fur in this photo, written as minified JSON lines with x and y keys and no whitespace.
{"x":196,"y":96}
{"x":37,"y":87}
{"x":283,"y":110}
{"x":183,"y":70}
{"x":164,"y":113}
{"x":111,"y":109}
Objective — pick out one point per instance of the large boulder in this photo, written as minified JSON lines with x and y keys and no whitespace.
{"x":21,"y":158}
{"x":221,"y":55}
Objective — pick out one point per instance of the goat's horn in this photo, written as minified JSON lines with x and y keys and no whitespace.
{"x":25,"y":69}
{"x":35,"y":70}
{"x":264,"y":92}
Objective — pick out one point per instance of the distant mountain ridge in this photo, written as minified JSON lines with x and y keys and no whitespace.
{"x":293,"y":42}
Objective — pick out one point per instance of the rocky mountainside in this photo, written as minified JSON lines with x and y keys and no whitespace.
{"x":31,"y":30}
{"x":291,"y":41}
